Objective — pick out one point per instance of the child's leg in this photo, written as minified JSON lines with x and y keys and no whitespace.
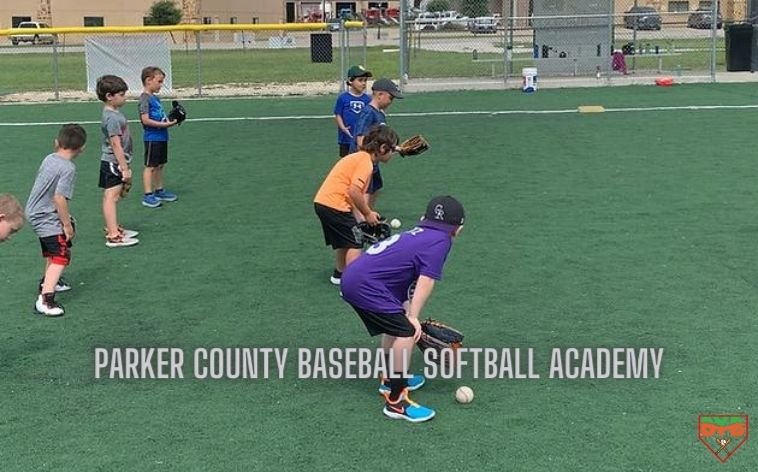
{"x":158,"y":177}
{"x":111,"y":197}
{"x":147,"y":179}
{"x":52,"y":275}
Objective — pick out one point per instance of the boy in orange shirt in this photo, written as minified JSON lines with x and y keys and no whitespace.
{"x":344,"y":190}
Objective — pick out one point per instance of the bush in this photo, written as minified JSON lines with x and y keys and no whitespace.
{"x":163,"y":12}
{"x":438,"y":5}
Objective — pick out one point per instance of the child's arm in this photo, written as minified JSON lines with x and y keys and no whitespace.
{"x":359,"y":201}
{"x":147,"y":121}
{"x":61,"y":206}
{"x":341,"y":125}
{"x":118,"y":151}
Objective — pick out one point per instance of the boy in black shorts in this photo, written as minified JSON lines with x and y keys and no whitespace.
{"x":48,"y":213}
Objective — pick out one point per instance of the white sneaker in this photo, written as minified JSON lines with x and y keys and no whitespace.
{"x":120,"y":241}
{"x":128,"y":233}
{"x":46,"y":305}
{"x":334,"y":280}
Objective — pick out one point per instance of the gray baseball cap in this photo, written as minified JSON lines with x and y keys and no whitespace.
{"x":386,"y":85}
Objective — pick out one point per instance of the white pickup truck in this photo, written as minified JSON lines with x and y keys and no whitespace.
{"x":32,"y":36}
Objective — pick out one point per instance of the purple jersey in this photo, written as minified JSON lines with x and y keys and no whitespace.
{"x":349,"y":106}
{"x":379,"y":279}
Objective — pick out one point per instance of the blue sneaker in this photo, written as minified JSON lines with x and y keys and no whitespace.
{"x":165,"y":195}
{"x":151,"y":201}
{"x":414,"y":383}
{"x":406,"y":409}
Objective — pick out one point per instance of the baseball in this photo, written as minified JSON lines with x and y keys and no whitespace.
{"x":464,"y":395}
{"x":395,"y":223}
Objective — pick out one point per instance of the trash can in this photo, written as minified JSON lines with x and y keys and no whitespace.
{"x":739,"y":45}
{"x":754,"y":50}
{"x":321,"y":47}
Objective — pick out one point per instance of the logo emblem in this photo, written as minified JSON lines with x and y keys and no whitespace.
{"x":722,"y":434}
{"x":439,"y":212}
{"x":356,"y":106}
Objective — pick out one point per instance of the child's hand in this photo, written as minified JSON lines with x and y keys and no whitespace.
{"x":126,"y":174}
{"x":171,"y":123}
{"x":347,"y":132}
{"x":68,"y":231}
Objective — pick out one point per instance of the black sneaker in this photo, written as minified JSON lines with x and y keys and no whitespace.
{"x":336,"y":277}
{"x":46,"y":305}
{"x":61,"y":286}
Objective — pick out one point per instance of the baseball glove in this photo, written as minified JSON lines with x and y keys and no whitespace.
{"x":126,"y":185}
{"x":177,"y":113}
{"x":438,"y":336}
{"x":413,"y":146}
{"x":369,"y":235}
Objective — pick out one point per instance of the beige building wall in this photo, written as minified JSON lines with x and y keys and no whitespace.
{"x":132,"y":12}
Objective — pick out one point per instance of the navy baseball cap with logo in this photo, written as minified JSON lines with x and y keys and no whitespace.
{"x":358,"y":71}
{"x":445,"y":209}
{"x":386,"y":85}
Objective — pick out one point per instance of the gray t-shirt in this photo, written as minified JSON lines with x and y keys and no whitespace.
{"x":114,"y":124}
{"x":55,"y":175}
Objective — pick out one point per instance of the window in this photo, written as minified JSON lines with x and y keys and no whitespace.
{"x":207,"y":20}
{"x":16,"y":20}
{"x":256,"y":20}
{"x":233,"y":20}
{"x":94,"y":21}
{"x":678,"y":6}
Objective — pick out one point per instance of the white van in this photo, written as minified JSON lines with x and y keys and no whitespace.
{"x":32,"y":36}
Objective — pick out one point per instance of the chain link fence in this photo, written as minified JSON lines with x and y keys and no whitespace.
{"x":206,"y":63}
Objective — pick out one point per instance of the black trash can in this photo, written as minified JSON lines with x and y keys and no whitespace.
{"x":739,"y":45}
{"x":321,"y":47}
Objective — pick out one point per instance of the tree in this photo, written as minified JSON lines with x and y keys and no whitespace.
{"x":163,"y":12}
{"x":474,"y":8}
{"x":438,"y":5}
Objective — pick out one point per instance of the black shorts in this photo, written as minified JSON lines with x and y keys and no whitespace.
{"x":156,"y":153}
{"x":57,"y":249}
{"x":344,"y":149}
{"x":340,"y":228}
{"x":393,"y":324}
{"x":110,"y":175}
{"x":376,"y":180}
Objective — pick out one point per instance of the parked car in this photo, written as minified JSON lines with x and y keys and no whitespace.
{"x":32,"y":36}
{"x":483,"y":25}
{"x":645,"y":18}
{"x":702,"y":18}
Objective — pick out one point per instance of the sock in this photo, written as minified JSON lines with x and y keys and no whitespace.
{"x":158,"y":190}
{"x":398,"y":383}
{"x":48,"y":298}
{"x":337,"y":274}
{"x":147,"y":194}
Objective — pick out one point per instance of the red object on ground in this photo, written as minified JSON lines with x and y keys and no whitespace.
{"x":664,"y":81}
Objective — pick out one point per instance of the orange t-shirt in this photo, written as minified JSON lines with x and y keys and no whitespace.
{"x":354,"y":169}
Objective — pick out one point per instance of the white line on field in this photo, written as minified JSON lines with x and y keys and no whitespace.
{"x":417,"y":114}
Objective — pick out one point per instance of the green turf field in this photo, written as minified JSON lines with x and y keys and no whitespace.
{"x":618,"y":229}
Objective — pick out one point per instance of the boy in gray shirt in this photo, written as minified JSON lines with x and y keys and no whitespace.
{"x":115,"y":172}
{"x":48,"y":213}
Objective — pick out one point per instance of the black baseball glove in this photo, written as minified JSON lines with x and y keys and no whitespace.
{"x":177,"y":113}
{"x":438,"y":336}
{"x":369,"y":235}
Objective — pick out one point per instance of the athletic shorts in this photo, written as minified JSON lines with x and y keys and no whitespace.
{"x":110,"y":175}
{"x":57,"y":249}
{"x":376,"y":180}
{"x":393,"y":324}
{"x":340,"y":228}
{"x":344,"y":149}
{"x":156,"y":153}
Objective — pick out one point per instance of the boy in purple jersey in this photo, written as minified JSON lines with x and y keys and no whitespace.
{"x":349,"y":105}
{"x":388,"y":286}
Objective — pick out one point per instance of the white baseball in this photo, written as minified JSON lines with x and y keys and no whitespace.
{"x":395,"y":223}
{"x":464,"y":395}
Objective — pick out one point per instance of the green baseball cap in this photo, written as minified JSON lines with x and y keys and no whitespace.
{"x":358,"y":71}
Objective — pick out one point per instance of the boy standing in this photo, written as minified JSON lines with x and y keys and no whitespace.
{"x":48,"y":213}
{"x":349,"y":105}
{"x":384,"y":92}
{"x":11,"y":216}
{"x":116,"y":156}
{"x":388,"y":286}
{"x":344,"y":190}
{"x":155,"y":124}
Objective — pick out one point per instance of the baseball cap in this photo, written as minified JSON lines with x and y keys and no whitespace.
{"x":445,"y":209}
{"x":386,"y":85}
{"x":358,"y":71}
